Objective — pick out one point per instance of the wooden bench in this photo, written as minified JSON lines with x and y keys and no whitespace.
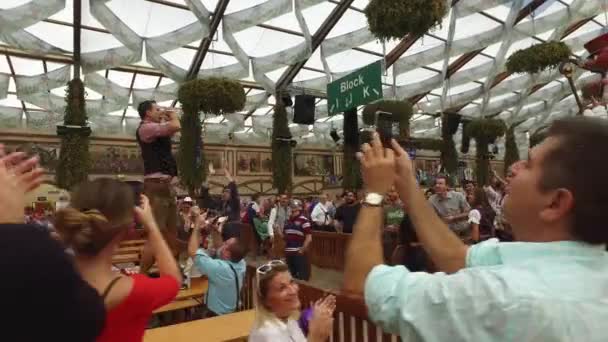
{"x":232,"y":327}
{"x":128,"y":250}
{"x":125,"y":258}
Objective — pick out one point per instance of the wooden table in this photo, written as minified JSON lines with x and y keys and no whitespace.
{"x":232,"y":327}
{"x":178,"y":305}
{"x":198,"y":288}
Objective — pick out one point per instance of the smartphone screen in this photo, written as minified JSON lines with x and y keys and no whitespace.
{"x":384,"y":127}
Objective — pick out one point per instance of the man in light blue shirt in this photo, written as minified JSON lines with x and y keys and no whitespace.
{"x":225,"y":273}
{"x":550,"y":286}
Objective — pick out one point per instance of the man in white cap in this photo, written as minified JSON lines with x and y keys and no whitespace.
{"x":297,"y":233}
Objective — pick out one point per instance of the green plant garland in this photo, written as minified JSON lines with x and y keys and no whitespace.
{"x":449,"y":155}
{"x":401,"y":110}
{"x":282,"y":162}
{"x":393,"y":19}
{"x":74,"y":158}
{"x":537,"y":137}
{"x":538,"y":57}
{"x":351,"y":170}
{"x":427,"y":144}
{"x":213,"y":95}
{"x":191,"y":159}
{"x":485,"y":132}
{"x":465,"y":143}
{"x":511,"y":150}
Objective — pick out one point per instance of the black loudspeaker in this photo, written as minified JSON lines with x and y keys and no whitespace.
{"x":304,"y":110}
{"x":334,"y":135}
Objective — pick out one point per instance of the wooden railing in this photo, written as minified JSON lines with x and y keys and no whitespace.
{"x":328,"y":249}
{"x":351,"y":321}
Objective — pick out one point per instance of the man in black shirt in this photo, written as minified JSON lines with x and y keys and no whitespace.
{"x":154,"y":138}
{"x":346,"y":214}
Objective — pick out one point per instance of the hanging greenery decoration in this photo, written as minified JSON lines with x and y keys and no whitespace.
{"x":190,"y":158}
{"x":351,"y":170}
{"x":538,"y":57}
{"x":213,"y":95}
{"x":74,"y":158}
{"x":511,"y":150}
{"x":282,"y":162}
{"x":537,"y":137}
{"x":485,"y":132}
{"x":427,"y":144}
{"x":393,"y":19}
{"x":401,"y":110}
{"x":465,"y":143}
{"x":449,"y":155}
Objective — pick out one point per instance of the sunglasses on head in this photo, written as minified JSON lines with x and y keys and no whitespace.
{"x":264,"y":269}
{"x":267,"y":267}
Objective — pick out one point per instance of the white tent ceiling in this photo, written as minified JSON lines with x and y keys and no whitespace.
{"x":138,"y":49}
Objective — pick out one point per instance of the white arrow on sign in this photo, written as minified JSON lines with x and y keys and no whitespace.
{"x":349,"y":101}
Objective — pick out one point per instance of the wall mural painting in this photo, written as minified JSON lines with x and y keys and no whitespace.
{"x":266,"y":161}
{"x":316,"y":165}
{"x":106,"y":159}
{"x":253,"y":163}
{"x":215,"y":161}
{"x":116,"y":160}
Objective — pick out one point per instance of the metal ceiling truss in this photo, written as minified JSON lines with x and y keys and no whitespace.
{"x":318,"y":38}
{"x":467,"y":57}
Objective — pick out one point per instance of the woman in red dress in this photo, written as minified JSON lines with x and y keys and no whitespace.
{"x":98,"y":218}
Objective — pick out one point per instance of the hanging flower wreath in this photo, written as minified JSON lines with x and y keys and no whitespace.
{"x":485,"y":132}
{"x":393,"y":19}
{"x":538,"y":58}
{"x":401,"y":110}
{"x":213,"y":95}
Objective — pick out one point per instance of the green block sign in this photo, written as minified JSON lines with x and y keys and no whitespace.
{"x":359,"y":88}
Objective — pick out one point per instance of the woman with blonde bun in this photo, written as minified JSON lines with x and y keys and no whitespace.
{"x":99,"y":216}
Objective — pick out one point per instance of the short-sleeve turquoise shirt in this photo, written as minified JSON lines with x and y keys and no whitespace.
{"x":517,"y":291}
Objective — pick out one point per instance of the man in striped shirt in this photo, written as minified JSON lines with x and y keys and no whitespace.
{"x":298,"y":237}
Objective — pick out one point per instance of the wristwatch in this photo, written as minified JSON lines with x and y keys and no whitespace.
{"x":373,"y":199}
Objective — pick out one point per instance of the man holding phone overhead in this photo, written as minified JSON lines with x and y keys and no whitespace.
{"x":153,"y":135}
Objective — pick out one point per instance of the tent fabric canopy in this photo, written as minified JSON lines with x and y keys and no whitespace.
{"x":142,"y":49}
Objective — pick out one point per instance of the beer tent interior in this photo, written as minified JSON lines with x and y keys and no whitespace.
{"x":139,"y":49}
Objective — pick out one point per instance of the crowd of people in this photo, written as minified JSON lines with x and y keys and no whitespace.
{"x":550,"y":285}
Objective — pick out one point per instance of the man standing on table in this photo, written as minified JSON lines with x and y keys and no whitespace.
{"x":153,"y":135}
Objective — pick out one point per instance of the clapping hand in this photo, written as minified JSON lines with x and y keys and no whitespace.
{"x":18,"y":176}
{"x":322,"y":322}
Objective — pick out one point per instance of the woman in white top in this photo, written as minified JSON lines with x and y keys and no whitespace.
{"x":278,"y":305}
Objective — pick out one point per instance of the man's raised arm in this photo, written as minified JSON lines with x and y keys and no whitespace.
{"x":443,"y":246}
{"x":365,"y":248}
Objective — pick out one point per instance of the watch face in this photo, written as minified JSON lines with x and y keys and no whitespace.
{"x":374,"y":199}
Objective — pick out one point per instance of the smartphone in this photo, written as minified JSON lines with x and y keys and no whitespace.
{"x":384,"y":127}
{"x":138,"y":188}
